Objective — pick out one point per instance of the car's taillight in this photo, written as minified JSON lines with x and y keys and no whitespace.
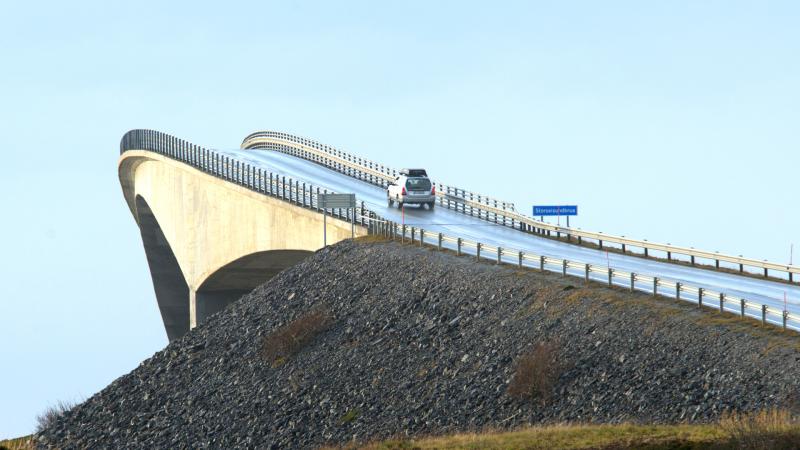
{"x":404,"y":190}
{"x":433,"y":190}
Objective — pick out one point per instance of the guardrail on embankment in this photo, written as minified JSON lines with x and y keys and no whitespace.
{"x":607,"y":275}
{"x":257,"y":179}
{"x":491,"y":209}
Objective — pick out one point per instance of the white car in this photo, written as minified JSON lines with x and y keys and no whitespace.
{"x":412,"y":187}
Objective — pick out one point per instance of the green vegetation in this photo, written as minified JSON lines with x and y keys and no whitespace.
{"x":350,"y":416}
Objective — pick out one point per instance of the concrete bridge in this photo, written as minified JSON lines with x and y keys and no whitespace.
{"x":210,"y":240}
{"x":216,"y":223}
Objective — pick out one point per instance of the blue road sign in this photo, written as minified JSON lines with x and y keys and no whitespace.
{"x":558,"y":210}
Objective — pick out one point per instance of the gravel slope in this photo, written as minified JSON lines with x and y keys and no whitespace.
{"x":424,"y":343}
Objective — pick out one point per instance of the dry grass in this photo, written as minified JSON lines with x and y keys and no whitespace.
{"x":289,"y":339}
{"x":570,"y":437}
{"x":536,"y":372}
{"x":51,"y":414}
{"x":371,"y":239}
{"x":771,"y":429}
{"x":23,"y":443}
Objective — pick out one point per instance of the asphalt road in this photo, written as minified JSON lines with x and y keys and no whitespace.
{"x":446,"y":221}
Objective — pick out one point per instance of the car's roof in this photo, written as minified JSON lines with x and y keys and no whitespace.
{"x":414,"y":172}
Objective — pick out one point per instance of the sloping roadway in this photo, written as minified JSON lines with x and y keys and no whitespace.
{"x":760,"y":291}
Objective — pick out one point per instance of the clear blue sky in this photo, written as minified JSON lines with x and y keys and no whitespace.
{"x":672,"y":121}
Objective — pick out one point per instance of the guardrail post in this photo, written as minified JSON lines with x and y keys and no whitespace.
{"x":677,"y":291}
{"x":541,"y":263}
{"x":610,"y":276}
{"x":741,"y":268}
{"x":520,"y":259}
{"x":721,"y":302}
{"x":623,"y":249}
{"x":655,"y":286}
{"x":447,"y":192}
{"x":458,"y":251}
{"x":586,"y":274}
{"x":471,"y":209}
{"x":600,"y":243}
{"x":440,"y":242}
{"x":692,"y":257}
{"x":412,"y":235}
{"x":785,"y":319}
{"x":564,"y":267}
{"x":763,"y":314}
{"x":478,"y":247}
{"x":403,"y":236}
{"x":766,"y":274}
{"x":716,"y":263}
{"x":633,"y":281}
{"x":645,"y":252}
{"x":700,"y":297}
{"x":499,"y":254}
{"x":669,"y":256}
{"x":743,"y":304}
{"x":421,"y":237}
{"x":283,"y":182}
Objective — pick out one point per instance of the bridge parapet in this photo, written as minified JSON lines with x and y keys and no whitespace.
{"x":213,"y":227}
{"x":494,"y":210}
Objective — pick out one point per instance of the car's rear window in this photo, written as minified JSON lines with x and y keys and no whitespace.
{"x":418,"y":184}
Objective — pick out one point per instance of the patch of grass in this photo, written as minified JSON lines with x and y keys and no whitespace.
{"x":52,"y":414}
{"x":349,"y":416}
{"x":771,"y":429}
{"x":536,"y":372}
{"x":289,"y":339}
{"x":571,"y":437}
{"x":21,"y":443}
{"x":371,"y":239}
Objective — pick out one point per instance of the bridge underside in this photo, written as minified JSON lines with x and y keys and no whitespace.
{"x":171,"y":288}
{"x":240,"y":277}
{"x":209,"y":241}
{"x":220,"y":289}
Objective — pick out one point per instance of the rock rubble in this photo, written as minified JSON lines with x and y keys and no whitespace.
{"x":424,"y":343}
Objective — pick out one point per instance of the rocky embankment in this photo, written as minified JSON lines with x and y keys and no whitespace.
{"x":422,"y":342}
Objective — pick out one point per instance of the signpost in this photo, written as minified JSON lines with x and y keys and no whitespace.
{"x":345,"y":201}
{"x":555,"y":210}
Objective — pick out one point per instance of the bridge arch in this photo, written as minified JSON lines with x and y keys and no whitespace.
{"x":205,"y":237}
{"x":169,"y":283}
{"x":237,"y":278}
